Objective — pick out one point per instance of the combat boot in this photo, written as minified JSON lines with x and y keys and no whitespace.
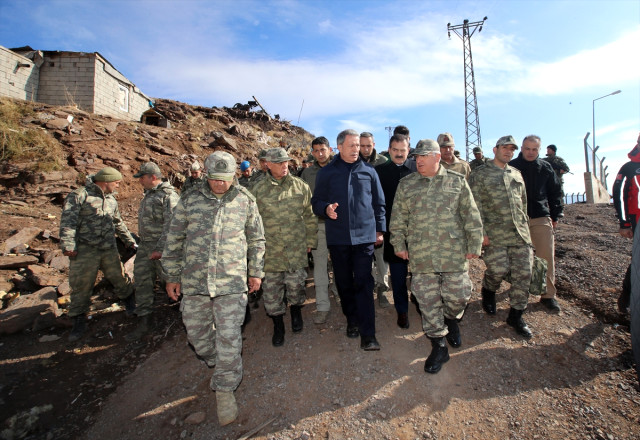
{"x":383,"y":302}
{"x":278,"y":331}
{"x":227,"y":407}
{"x":439,"y":355}
{"x":515,"y":320}
{"x":488,"y":301}
{"x":130,"y":304}
{"x":296,"y":318}
{"x":143,"y":327}
{"x":453,"y":337}
{"x":78,"y":329}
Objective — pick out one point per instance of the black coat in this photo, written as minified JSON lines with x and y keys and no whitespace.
{"x":390,"y":175}
{"x":544,"y":191}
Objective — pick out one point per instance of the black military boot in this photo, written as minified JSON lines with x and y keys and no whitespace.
{"x":278,"y":331}
{"x":488,"y":301}
{"x":78,"y":329}
{"x":453,"y":337}
{"x":130,"y":304}
{"x":296,"y":318}
{"x":515,"y":320}
{"x":143,"y":327}
{"x":439,"y":355}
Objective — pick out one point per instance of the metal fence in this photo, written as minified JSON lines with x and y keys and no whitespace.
{"x":575,"y":198}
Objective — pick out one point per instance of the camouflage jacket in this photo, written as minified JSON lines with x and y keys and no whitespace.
{"x":437,"y":221}
{"x":213,"y":244}
{"x":459,"y":166}
{"x":501,"y":197}
{"x":92,"y":217}
{"x":290,"y":226}
{"x":154,"y":214}
{"x":245,"y":181}
{"x":191,"y":183}
{"x":256,"y":177}
{"x":558,"y":164}
{"x":375,"y":159}
{"x":475,"y":163}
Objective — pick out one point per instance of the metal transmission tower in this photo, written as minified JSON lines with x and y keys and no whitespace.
{"x":472,"y":123}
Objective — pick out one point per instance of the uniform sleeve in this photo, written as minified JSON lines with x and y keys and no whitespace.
{"x":310,"y":220}
{"x":471,"y":220}
{"x":69,"y":221}
{"x":399,"y":224}
{"x":169,"y":205}
{"x":173,"y":253}
{"x":619,"y":199}
{"x":254,"y":232}
{"x":477,"y":189}
{"x":121,"y":228}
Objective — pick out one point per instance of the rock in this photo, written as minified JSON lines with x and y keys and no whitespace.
{"x":45,"y":276}
{"x":60,"y":263}
{"x":48,"y":338}
{"x":24,"y":236}
{"x":162,"y":150}
{"x":5,"y":285}
{"x":221,"y":140}
{"x":52,"y":176}
{"x":111,"y":127}
{"x":57,"y":124}
{"x":64,"y":300}
{"x":16,"y":261}
{"x":26,"y":309}
{"x":195,"y":418}
{"x":64,"y":288}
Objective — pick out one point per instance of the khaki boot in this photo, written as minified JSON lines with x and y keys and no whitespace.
{"x":227,"y":407}
{"x":143,"y":327}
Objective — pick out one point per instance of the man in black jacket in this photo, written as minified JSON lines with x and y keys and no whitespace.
{"x":544,"y":207}
{"x":390,"y":174}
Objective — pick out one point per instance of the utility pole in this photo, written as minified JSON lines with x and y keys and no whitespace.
{"x":389,"y":130}
{"x":472,"y":123}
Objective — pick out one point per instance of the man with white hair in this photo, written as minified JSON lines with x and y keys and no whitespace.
{"x":195,"y":177}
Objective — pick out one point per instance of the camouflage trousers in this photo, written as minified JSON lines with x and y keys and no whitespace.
{"x":275,"y":285}
{"x":502,"y":259}
{"x":83,"y":269}
{"x":214,"y":330}
{"x":145,"y":273}
{"x":440,"y":295}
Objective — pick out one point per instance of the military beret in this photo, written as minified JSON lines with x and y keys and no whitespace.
{"x":107,"y":174}
{"x":553,"y":147}
{"x":148,"y":168}
{"x":220,"y":166}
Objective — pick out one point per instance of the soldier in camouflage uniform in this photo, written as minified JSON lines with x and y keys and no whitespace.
{"x":448,"y":159}
{"x":215,"y":242}
{"x":247,"y":173}
{"x":479,"y":158}
{"x":501,"y":196}
{"x":291,"y":231}
{"x":154,"y":217}
{"x":195,"y":177}
{"x":262,"y":172}
{"x":89,"y":224}
{"x":558,"y":164}
{"x":435,"y":224}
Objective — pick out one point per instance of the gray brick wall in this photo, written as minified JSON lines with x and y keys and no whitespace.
{"x":18,"y":82}
{"x":68,"y":80}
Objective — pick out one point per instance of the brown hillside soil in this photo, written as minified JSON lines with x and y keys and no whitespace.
{"x":573,"y":380}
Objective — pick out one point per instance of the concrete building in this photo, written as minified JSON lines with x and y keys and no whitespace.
{"x":85,"y":80}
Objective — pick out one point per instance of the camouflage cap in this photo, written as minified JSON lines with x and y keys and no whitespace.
{"x":195,"y":166}
{"x":220,"y":166}
{"x":477,"y":150}
{"x":148,"y":168}
{"x":107,"y":174}
{"x":445,"y":140}
{"x":507,"y":140}
{"x":277,"y":155}
{"x":262,"y":154}
{"x":426,"y":146}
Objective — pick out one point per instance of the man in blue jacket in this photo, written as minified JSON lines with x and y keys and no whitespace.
{"x":349,"y":196}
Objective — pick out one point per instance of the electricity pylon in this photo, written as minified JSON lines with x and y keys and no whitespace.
{"x":472,"y":123}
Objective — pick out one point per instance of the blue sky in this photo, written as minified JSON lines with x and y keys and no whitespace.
{"x":368,"y":65}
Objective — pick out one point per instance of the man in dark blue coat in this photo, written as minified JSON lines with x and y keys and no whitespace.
{"x":348,"y":195}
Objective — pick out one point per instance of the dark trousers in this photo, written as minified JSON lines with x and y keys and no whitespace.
{"x":352,"y":274}
{"x":398,"y":272}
